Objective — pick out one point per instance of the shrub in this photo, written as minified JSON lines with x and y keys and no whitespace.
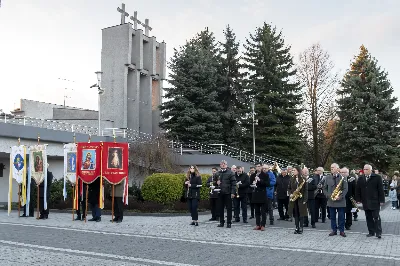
{"x":163,"y":188}
{"x":168,"y":188}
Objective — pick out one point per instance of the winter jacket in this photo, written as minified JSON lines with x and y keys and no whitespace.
{"x":228,"y":181}
{"x":393,"y":195}
{"x":271,"y":187}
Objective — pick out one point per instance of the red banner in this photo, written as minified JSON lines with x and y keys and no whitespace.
{"x":115,"y":162}
{"x":88,"y":158}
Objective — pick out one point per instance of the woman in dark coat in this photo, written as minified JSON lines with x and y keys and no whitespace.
{"x":260,"y":183}
{"x":192,"y":192}
{"x":298,"y":208}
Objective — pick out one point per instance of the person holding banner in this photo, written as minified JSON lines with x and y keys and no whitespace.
{"x":93,"y":198}
{"x":118,"y":202}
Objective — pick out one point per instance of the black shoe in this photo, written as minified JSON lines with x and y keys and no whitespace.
{"x":323,"y":221}
{"x":192,"y":223}
{"x":306,"y":225}
{"x":348,"y":227}
{"x":369,"y":235}
{"x":23,"y":215}
{"x":378,"y":236}
{"x":355,"y":219}
{"x":220,"y":225}
{"x":196,"y":224}
{"x":271,"y":222}
{"x":251,"y":217}
{"x":236,"y":221}
{"x":245,"y":221}
{"x":92,"y":220}
{"x":281,"y":219}
{"x":98,"y":219}
{"x":78,"y":218}
{"x":118,"y":221}
{"x":313,"y":225}
{"x":297,"y":231}
{"x":228,"y":226}
{"x":332,"y":233}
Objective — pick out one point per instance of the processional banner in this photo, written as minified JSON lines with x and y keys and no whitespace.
{"x":115,"y":165}
{"x":69,"y":166}
{"x":38,"y":169}
{"x":17,"y":172}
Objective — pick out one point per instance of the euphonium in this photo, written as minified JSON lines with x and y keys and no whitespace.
{"x":297,"y":194}
{"x":337,"y":192}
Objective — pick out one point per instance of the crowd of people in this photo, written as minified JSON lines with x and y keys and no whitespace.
{"x":299,"y":195}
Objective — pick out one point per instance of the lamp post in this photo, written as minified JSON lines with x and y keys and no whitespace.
{"x":254,"y":135}
{"x":100,"y":92}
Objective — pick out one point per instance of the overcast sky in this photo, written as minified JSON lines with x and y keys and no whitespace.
{"x":43,"y":41}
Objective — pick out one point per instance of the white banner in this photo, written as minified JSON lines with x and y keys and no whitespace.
{"x":69,"y":165}
{"x":38,"y":168}
{"x":18,"y":157}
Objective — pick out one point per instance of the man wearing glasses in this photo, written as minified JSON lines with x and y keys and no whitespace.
{"x":369,"y":192}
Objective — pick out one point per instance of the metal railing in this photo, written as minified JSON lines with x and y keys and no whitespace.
{"x":132,"y":135}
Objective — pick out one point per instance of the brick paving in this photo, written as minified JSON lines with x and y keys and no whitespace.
{"x":146,"y":240}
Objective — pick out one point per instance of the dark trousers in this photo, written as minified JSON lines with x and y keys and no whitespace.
{"x":328,"y":212}
{"x":281,"y":203}
{"x":249,"y":195}
{"x":312,"y":211}
{"x":225,"y":200}
{"x":214,"y":202}
{"x":43,"y":213}
{"x":298,"y":219}
{"x":81,"y":206}
{"x":193,"y":205}
{"x":240,"y":202}
{"x":320,"y":203}
{"x":270,"y":209}
{"x":373,"y":222}
{"x":349,"y":219}
{"x":334,"y":225}
{"x":261,"y":214}
{"x":118,"y":208}
{"x":96,"y":211}
{"x":31,"y":209}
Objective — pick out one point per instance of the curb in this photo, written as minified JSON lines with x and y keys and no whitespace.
{"x":130,"y":213}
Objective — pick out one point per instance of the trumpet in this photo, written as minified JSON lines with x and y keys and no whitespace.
{"x":237,"y":188}
{"x":354,"y":203}
{"x":212,"y":187}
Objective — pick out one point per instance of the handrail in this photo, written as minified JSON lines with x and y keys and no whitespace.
{"x":132,"y":135}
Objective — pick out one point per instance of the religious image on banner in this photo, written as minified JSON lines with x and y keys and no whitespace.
{"x":88,"y":159}
{"x":38,"y":163}
{"x":115,"y":158}
{"x":18,"y":157}
{"x":69,"y":166}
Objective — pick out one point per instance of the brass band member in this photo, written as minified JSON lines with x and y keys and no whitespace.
{"x":240,"y":200}
{"x":192,"y":185}
{"x":311,"y":186}
{"x":227,"y":184}
{"x":282,"y":183}
{"x":212,"y":181}
{"x":369,"y":191}
{"x":351,"y":193}
{"x":298,"y":192}
{"x":256,"y":171}
{"x":259,"y":198}
{"x":320,"y":198}
{"x":335,"y":189}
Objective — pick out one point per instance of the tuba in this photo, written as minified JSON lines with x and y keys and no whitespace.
{"x":297,"y":194}
{"x":337,"y":192}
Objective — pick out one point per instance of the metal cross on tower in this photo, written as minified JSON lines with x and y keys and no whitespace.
{"x":136,"y":21}
{"x":123,"y":13}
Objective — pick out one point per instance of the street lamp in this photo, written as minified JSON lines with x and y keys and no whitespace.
{"x":100,"y":92}
{"x":254,"y":135}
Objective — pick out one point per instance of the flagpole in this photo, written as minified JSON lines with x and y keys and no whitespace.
{"x":37,"y":185}
{"x":73,"y":189}
{"x":19,"y":187}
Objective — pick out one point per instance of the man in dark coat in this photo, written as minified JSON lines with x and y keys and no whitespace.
{"x":240,"y":200}
{"x":369,"y":191}
{"x":44,"y":214}
{"x":93,"y":198}
{"x":214,"y":202}
{"x":320,"y":198}
{"x":255,"y":173}
{"x":81,"y":201}
{"x":227,"y":183}
{"x":260,"y":183}
{"x":351,"y":191}
{"x":282,"y":182}
{"x":311,"y":187}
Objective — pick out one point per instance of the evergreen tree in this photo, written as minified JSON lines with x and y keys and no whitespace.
{"x":269,"y":81}
{"x":193,"y":110}
{"x":231,"y":94}
{"x":368,"y":130}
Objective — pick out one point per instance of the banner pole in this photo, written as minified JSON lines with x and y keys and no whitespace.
{"x":19,"y":199}
{"x":73,"y":197}
{"x":87,"y":192}
{"x":112,"y":207}
{"x":38,"y":190}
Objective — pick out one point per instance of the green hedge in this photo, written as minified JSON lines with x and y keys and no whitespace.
{"x":168,"y":188}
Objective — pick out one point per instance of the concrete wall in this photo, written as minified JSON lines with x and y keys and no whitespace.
{"x":74,"y":114}
{"x":89,"y":123}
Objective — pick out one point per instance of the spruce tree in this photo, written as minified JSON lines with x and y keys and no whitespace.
{"x":269,"y":80}
{"x":231,"y":94}
{"x":193,"y":109}
{"x":368,"y":130}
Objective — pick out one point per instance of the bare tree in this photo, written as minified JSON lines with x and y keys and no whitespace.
{"x":315,"y":74}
